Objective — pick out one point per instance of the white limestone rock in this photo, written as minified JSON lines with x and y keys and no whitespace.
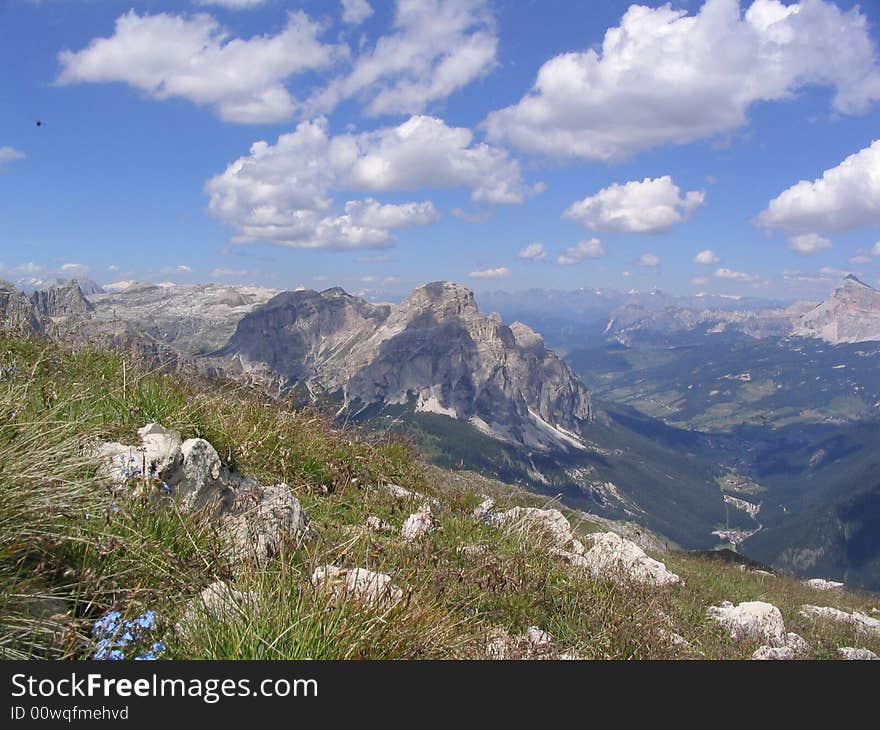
{"x":418,"y":524}
{"x":861,"y":621}
{"x":794,"y":647}
{"x":483,"y":509}
{"x":751,"y":620}
{"x":539,"y":639}
{"x":375,"y":524}
{"x":215,"y":602}
{"x":399,"y":492}
{"x":823,"y":585}
{"x":197,"y":479}
{"x":358,"y":584}
{"x":262,"y":519}
{"x":612,"y":556}
{"x":853,"y":654}
{"x":531,"y":520}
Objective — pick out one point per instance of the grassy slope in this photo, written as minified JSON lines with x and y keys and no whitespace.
{"x":68,"y":553}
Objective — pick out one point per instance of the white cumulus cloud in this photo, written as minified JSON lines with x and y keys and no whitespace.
{"x":533,"y":252}
{"x":591,"y":249}
{"x":436,"y":48}
{"x":355,"y":12}
{"x":649,"y":259}
{"x":195,"y":58}
{"x":845,"y":197}
{"x":649,"y":206}
{"x":808,"y":244}
{"x":499,"y":273}
{"x":731,"y":275}
{"x":706,"y":258}
{"x":664,"y":76}
{"x":283,"y":193}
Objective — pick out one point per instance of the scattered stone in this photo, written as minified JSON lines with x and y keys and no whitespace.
{"x":483,"y":509}
{"x":216,"y":601}
{"x":610,"y":555}
{"x":418,"y":524}
{"x":197,"y":479}
{"x":374,"y":524}
{"x":751,"y":620}
{"x":794,"y":647}
{"x":399,"y":492}
{"x":530,"y":520}
{"x":539,"y":639}
{"x":765,"y":573}
{"x":473,"y":550}
{"x":358,"y":584}
{"x":577,"y":547}
{"x":823,"y":585}
{"x":262,"y":519}
{"x":774,"y":653}
{"x":673,"y":638}
{"x":535,"y":643}
{"x":852,"y":654}
{"x":861,"y":621}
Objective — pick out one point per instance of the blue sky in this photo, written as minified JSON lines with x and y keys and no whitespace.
{"x":378,"y":145}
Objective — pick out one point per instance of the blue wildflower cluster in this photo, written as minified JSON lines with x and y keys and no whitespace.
{"x":118,"y":639}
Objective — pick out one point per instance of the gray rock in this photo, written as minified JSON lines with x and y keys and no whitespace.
{"x":260,"y":520}
{"x":751,"y":620}
{"x":824,"y":585}
{"x":374,"y":524}
{"x":356,"y":584}
{"x":418,"y":524}
{"x":859,"y":620}
{"x":216,"y":602}
{"x":851,"y":314}
{"x":852,"y":654}
{"x":794,"y":647}
{"x":611,"y":556}
{"x":550,"y":523}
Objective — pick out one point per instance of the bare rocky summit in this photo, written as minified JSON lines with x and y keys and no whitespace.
{"x":435,"y":351}
{"x":851,"y":314}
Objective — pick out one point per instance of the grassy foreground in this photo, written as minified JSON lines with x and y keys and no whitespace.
{"x":70,"y":551}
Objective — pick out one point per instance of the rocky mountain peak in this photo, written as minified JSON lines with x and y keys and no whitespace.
{"x":435,"y":351}
{"x":66,"y":300}
{"x":850,"y":314}
{"x":443,"y":299}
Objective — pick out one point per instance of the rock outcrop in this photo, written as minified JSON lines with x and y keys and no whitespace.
{"x":549,"y":523}
{"x":435,"y":351}
{"x":859,"y":620}
{"x":418,"y":524}
{"x":17,"y":313}
{"x":821,"y":584}
{"x":215,"y":602}
{"x":751,"y":620}
{"x":357,"y":584}
{"x":853,"y":654}
{"x":850,"y":314}
{"x":610,"y":556}
{"x":254,"y":520}
{"x":62,"y":301}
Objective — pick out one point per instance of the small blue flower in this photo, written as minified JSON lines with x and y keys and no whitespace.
{"x":146,"y":621}
{"x":107,"y":624}
{"x":165,"y":488}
